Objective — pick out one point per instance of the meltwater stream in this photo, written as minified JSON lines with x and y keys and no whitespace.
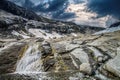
{"x":30,"y":61}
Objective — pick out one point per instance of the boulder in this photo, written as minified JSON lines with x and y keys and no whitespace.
{"x":46,"y":48}
{"x":113,"y":65}
{"x":64,"y":46}
{"x":58,"y":48}
{"x":80,"y":55}
{"x":70,"y":47}
{"x":86,"y":68}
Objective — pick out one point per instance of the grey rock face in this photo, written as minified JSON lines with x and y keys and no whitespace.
{"x":6,"y":22}
{"x":113,"y":65}
{"x":46,"y":48}
{"x":59,"y":48}
{"x":86,"y":68}
{"x":81,"y":55}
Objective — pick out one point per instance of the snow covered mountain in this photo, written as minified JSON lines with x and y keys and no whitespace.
{"x":67,"y":10}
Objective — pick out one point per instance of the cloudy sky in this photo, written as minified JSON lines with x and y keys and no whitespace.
{"x":86,"y":12}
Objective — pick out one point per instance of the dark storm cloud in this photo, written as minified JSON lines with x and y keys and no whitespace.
{"x":63,"y":15}
{"x":105,"y":7}
{"x":78,"y":1}
{"x":53,"y":5}
{"x":57,"y":4}
{"x":57,"y":8}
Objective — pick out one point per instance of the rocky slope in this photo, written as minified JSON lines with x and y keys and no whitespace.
{"x":15,"y":26}
{"x":72,"y":58}
{"x":55,"y":50}
{"x":17,"y":10}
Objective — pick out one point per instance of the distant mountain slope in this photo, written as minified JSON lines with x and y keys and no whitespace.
{"x":17,"y":10}
{"x":25,"y":23}
{"x":76,"y":11}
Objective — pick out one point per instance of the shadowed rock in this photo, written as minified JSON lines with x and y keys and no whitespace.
{"x":9,"y":57}
{"x":115,"y":24}
{"x":17,"y":10}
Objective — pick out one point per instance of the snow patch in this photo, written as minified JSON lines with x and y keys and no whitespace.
{"x":113,"y":29}
{"x":43,"y":34}
{"x":18,"y":34}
